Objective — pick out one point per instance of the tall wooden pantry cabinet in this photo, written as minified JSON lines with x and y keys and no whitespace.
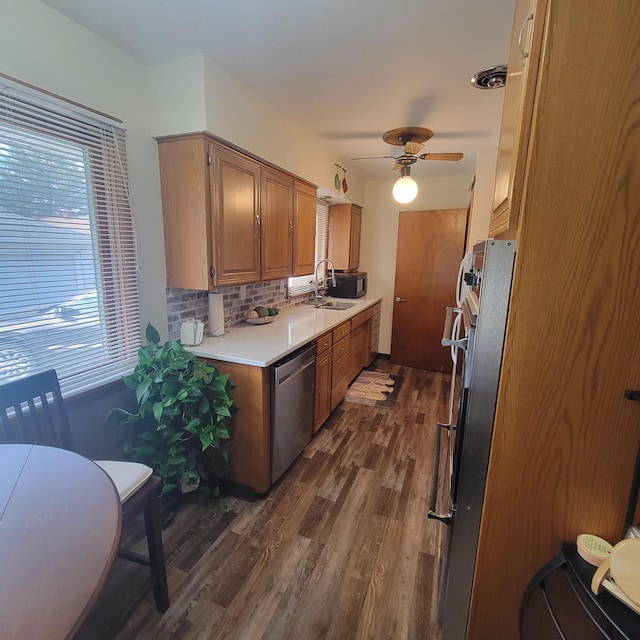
{"x":565,"y":439}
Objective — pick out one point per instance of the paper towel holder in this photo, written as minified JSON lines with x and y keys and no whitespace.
{"x":216,"y":315}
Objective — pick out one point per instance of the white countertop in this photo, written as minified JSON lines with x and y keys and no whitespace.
{"x":260,"y":345}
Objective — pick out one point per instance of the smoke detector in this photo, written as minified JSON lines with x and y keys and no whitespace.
{"x":491,"y":78}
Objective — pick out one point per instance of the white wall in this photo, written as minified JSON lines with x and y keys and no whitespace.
{"x":41,"y":47}
{"x":196,"y":94}
{"x":380,"y":233}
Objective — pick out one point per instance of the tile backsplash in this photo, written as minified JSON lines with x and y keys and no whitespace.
{"x":184,"y":303}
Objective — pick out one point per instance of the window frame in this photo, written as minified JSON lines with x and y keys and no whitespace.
{"x":24,"y":108}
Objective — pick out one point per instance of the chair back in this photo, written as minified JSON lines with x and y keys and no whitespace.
{"x":32,"y":412}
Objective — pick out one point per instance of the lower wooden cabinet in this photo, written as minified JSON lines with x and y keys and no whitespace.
{"x":250,"y":446}
{"x":340,"y":369}
{"x":374,"y":337}
{"x":360,"y":342}
{"x":322,"y":404}
{"x":341,"y":354}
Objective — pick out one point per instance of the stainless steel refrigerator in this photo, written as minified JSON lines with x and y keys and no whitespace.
{"x":483,"y":308}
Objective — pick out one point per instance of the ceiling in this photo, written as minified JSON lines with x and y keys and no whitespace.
{"x":344,"y":71}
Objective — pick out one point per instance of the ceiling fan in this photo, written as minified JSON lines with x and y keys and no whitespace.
{"x":412,"y":139}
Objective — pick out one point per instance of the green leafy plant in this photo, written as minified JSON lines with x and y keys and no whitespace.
{"x":181,"y":426}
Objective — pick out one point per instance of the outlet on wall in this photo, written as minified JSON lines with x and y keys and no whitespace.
{"x":243,"y":292}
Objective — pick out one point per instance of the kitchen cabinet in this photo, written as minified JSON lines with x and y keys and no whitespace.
{"x":322,"y":404}
{"x":345,"y":222}
{"x":565,"y":438}
{"x":235,"y":217}
{"x":524,"y":58}
{"x":340,"y":363}
{"x":276,"y":224}
{"x":304,"y":229}
{"x":250,"y":445}
{"x":360,"y":341}
{"x":374,"y":336}
{"x":336,"y":367}
{"x":230,"y":218}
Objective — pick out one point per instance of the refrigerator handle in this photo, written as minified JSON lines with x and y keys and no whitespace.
{"x":447,"y":336}
{"x":432,"y":514}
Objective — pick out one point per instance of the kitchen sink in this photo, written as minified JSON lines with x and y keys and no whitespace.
{"x":338,"y":306}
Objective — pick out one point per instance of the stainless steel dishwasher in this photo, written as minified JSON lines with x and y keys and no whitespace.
{"x":293,"y":383}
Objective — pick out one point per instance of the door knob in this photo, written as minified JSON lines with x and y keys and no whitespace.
{"x":400,"y":299}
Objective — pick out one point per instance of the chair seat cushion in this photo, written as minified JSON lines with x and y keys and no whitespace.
{"x":127,"y":476}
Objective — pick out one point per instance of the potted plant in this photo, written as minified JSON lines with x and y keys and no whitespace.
{"x":184,"y":409}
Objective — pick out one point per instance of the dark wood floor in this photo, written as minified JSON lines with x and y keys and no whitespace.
{"x":340,"y":548}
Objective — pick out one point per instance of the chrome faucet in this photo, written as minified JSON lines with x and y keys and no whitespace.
{"x":315,"y":279}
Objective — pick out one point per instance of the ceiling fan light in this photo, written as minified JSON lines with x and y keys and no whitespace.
{"x":405,"y":190}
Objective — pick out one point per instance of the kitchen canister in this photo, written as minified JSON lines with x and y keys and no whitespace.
{"x":191,"y":332}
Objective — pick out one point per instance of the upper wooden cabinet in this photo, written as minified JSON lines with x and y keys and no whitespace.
{"x":524,"y":58}
{"x":344,"y":236}
{"x":304,"y":228}
{"x":235,"y":217}
{"x":230,"y":218}
{"x":276,"y":224}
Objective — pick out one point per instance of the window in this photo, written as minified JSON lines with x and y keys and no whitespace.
{"x":304,"y":284}
{"x":68,"y":286}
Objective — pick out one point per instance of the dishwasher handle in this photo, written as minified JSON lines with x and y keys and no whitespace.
{"x":300,"y":359}
{"x":292,"y":374}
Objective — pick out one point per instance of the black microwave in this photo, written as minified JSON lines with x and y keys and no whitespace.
{"x":348,"y":285}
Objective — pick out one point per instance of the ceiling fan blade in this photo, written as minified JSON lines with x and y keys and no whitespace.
{"x":372,"y":157}
{"x":412,"y":147}
{"x":442,"y":156}
{"x":396,"y":166}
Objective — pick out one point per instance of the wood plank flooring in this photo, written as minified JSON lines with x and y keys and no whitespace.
{"x":340,"y":548}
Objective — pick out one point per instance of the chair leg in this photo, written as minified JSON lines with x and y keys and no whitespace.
{"x":156,"y":554}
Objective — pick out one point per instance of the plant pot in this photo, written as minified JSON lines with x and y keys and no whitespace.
{"x":189,"y":483}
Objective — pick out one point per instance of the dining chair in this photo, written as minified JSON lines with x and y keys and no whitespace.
{"x":32,"y":412}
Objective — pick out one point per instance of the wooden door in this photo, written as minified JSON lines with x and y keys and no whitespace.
{"x":430,"y":248}
{"x":304,"y":229}
{"x":276,"y":222}
{"x":235,"y":218}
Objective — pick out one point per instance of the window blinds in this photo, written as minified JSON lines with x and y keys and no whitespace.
{"x":304,"y":284}
{"x":68,"y":274}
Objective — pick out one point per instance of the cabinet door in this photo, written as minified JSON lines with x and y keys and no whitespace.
{"x":304,"y":229}
{"x":354,"y":244}
{"x":276,"y":221}
{"x":184,"y":180}
{"x":374,"y":335}
{"x":524,"y":56}
{"x":344,"y":236}
{"x":322,"y":406}
{"x":360,"y":341}
{"x":235,"y":218}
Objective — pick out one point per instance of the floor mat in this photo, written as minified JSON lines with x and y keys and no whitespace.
{"x":374,"y":389}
